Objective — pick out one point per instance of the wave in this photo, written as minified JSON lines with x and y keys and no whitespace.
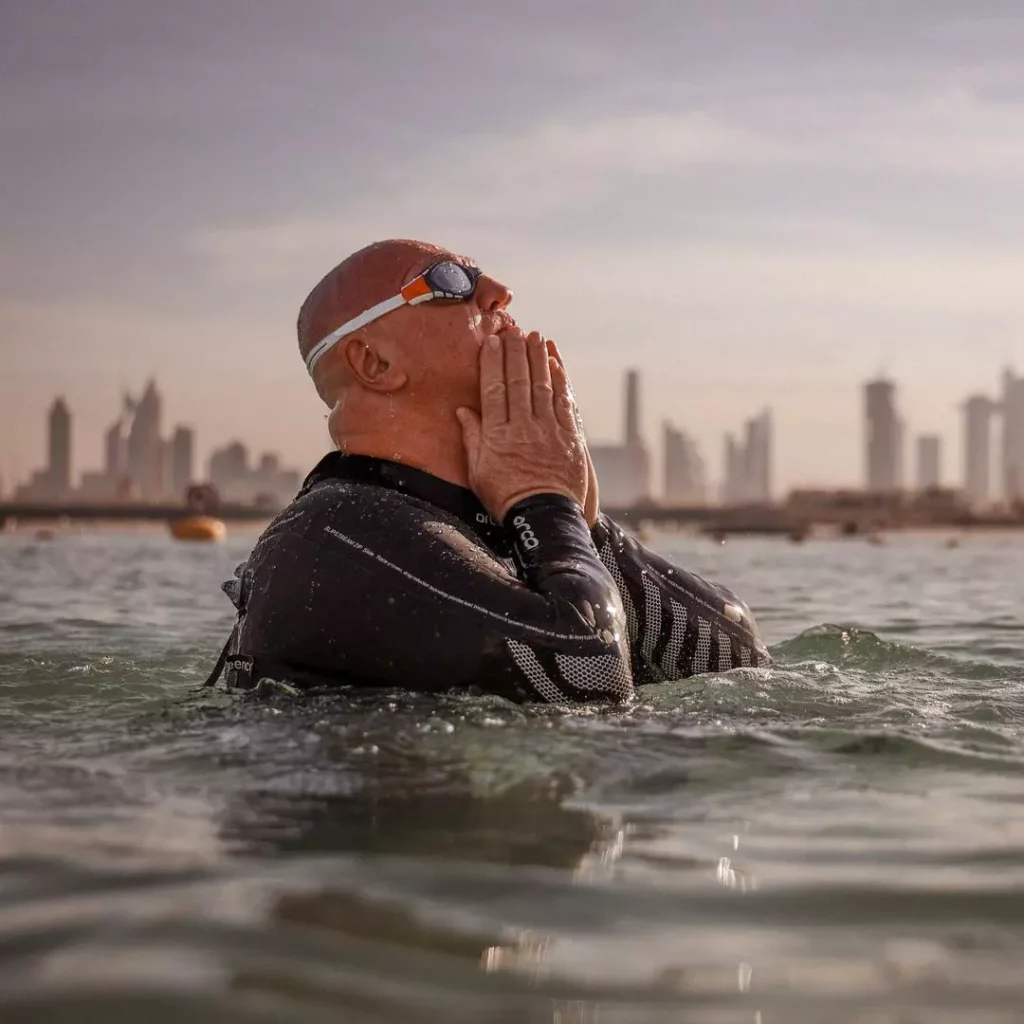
{"x":853,"y":647}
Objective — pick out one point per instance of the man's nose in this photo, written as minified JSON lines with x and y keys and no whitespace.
{"x":491,"y":295}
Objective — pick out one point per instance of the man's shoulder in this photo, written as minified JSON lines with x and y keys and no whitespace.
{"x":349,"y":501}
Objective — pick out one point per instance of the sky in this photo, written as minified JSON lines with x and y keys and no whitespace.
{"x":758,"y":203}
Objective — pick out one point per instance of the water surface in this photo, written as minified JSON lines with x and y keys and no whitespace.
{"x":840,"y":838}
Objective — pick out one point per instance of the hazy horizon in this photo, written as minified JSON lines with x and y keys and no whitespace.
{"x":753,"y":207}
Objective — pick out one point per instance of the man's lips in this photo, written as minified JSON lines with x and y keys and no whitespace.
{"x":495,"y":323}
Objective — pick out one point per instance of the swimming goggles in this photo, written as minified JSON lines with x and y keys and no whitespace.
{"x":445,"y":279}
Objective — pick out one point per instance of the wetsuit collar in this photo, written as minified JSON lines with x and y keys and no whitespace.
{"x":458,"y":501}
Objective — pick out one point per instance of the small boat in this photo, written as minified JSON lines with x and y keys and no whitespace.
{"x":205,"y":528}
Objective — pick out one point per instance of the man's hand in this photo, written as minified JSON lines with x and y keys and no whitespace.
{"x":526,"y":439}
{"x":592,"y":507}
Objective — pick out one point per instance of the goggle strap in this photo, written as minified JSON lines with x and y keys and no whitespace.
{"x":416,"y":291}
{"x":364,"y":318}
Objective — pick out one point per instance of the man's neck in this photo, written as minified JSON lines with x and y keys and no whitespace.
{"x":429,"y":442}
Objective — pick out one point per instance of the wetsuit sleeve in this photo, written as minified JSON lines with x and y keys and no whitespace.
{"x":386,"y":592}
{"x":678,"y":623}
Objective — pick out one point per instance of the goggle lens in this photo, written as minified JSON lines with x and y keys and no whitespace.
{"x":452,"y":278}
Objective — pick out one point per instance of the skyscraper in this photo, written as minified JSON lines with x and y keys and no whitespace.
{"x":759,"y":458}
{"x":632,"y":425}
{"x":978,"y":411}
{"x":623,"y":470}
{"x":145,"y":446}
{"x":747,"y":477}
{"x":929,"y":448}
{"x":181,"y":456}
{"x":59,"y":465}
{"x":883,"y":437}
{"x":1013,"y":437}
{"x":684,"y":469}
{"x":116,"y":463}
{"x":731,"y":491}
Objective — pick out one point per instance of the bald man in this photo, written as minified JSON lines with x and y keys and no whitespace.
{"x":453,"y":540}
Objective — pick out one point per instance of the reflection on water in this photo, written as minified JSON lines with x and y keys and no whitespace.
{"x":526,"y":825}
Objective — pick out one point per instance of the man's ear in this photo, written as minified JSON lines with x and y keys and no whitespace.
{"x":371,"y":367}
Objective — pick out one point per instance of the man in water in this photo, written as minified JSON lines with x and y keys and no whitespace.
{"x":454,"y":540}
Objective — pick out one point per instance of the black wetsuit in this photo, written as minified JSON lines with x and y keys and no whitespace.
{"x":378,"y":574}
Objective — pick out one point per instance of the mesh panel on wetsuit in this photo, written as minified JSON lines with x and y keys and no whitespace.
{"x":603,"y":674}
{"x":529,"y":665}
{"x":607,"y":554}
{"x":674,"y":648}
{"x":652,"y":626}
{"x":724,"y":651}
{"x":702,"y":656}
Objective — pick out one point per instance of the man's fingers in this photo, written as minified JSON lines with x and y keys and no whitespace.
{"x":517,"y":376}
{"x":565,"y":407}
{"x":553,"y":352}
{"x":540,"y":375}
{"x":493,"y":400}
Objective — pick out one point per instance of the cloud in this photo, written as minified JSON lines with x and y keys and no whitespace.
{"x":949,"y":131}
{"x":474,"y":187}
{"x":522,"y":185}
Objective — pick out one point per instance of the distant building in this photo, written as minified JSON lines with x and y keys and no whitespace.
{"x":631,"y":432}
{"x":759,"y":458}
{"x":929,"y":469}
{"x":734,"y":472}
{"x":52,"y":483}
{"x":622,"y":473}
{"x":180,"y":460}
{"x":684,"y":469}
{"x":1013,"y":437}
{"x":97,"y":488}
{"x":145,"y":448}
{"x":116,"y":451}
{"x":229,"y":466}
{"x":623,"y":470}
{"x":977,"y":450}
{"x":747,"y":477}
{"x":59,"y":468}
{"x":883,"y":437}
{"x":266,"y":484}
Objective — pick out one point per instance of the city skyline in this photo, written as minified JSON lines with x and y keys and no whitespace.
{"x":141,"y":465}
{"x":983,"y":413}
{"x":896,"y":458}
{"x":755,"y":205}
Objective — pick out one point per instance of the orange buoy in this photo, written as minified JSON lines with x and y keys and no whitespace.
{"x":198,"y":528}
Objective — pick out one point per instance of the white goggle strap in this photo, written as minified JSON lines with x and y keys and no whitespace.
{"x":364,"y":318}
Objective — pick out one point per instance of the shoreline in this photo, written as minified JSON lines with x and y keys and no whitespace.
{"x":57,"y":526}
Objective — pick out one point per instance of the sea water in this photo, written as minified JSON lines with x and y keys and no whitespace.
{"x":839,"y":838}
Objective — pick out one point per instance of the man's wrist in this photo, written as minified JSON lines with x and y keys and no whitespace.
{"x":528,"y":495}
{"x":541,"y":526}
